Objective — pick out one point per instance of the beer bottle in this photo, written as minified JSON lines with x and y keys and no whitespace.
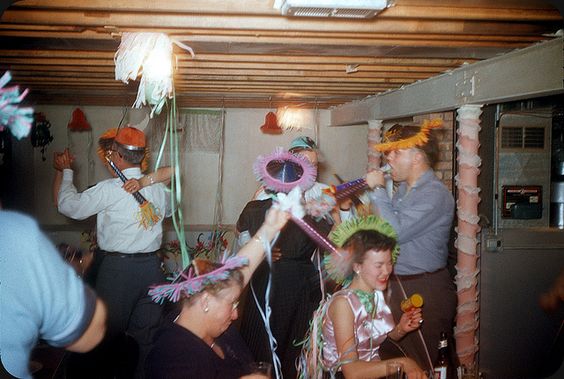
{"x":443,"y":364}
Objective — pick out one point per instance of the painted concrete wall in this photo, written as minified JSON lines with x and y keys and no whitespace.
{"x":344,"y":151}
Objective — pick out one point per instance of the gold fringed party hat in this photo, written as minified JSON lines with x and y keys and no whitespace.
{"x":405,"y":137}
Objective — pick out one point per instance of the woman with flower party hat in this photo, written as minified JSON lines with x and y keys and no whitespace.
{"x":200,"y":343}
{"x":295,"y":287}
{"x":349,"y":326}
{"x":421,"y":211}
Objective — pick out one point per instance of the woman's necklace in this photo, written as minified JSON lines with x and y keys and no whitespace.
{"x":366,"y":299}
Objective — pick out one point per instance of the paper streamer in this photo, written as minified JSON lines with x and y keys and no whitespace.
{"x":467,"y":229}
{"x":17,"y":119}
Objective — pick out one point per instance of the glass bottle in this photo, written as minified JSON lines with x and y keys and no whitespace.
{"x":443,"y":365}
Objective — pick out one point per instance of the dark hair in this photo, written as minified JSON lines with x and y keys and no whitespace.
{"x":364,"y":240}
{"x":431,"y":150}
{"x":131,"y":156}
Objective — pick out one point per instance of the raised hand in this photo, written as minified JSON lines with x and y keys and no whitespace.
{"x":132,"y":185}
{"x":62,"y":160}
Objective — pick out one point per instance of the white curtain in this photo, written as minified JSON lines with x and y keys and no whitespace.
{"x":201,"y":130}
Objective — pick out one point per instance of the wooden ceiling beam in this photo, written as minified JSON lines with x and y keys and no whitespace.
{"x":229,"y":92}
{"x":57,"y":68}
{"x":310,"y":67}
{"x":296,"y":84}
{"x":29,"y":76}
{"x":81,"y":34}
{"x":301,"y":73}
{"x":194,"y":101}
{"x":292,"y":88}
{"x":19,"y":74}
{"x":399,"y":9}
{"x":315,"y":59}
{"x":57,"y":61}
{"x":43,"y":63}
{"x":445,"y":41}
{"x":251,"y":58}
{"x":185,"y":69}
{"x":152,"y":20}
{"x":300,"y":91}
{"x":45,"y":53}
{"x":418,"y":40}
{"x":309,"y":78}
{"x":58,"y":82}
{"x":457,"y":12}
{"x":292,"y":38}
{"x":61,"y":82}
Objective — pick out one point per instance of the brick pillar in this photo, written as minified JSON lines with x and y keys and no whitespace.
{"x":444,"y":167}
{"x":374,"y":137}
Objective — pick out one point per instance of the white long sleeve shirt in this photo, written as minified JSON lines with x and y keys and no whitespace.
{"x":118,"y":228}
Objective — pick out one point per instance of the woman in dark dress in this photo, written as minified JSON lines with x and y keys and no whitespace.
{"x":295,"y":291}
{"x":200,"y":343}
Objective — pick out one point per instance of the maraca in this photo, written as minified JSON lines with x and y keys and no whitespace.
{"x":414,"y":301}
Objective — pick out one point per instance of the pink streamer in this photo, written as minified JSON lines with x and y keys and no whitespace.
{"x":315,"y":236}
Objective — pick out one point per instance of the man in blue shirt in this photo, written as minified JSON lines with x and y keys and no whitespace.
{"x":41,"y":296}
{"x":421,"y":211}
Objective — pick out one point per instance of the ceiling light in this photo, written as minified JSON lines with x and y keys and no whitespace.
{"x":331,"y":8}
{"x":295,"y":119}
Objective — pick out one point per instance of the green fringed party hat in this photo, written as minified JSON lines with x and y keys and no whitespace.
{"x":339,"y":265}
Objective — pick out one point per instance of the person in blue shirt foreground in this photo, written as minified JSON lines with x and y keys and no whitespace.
{"x":41,"y":297}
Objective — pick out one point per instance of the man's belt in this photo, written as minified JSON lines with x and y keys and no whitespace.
{"x":127,"y":255}
{"x":421,"y":275}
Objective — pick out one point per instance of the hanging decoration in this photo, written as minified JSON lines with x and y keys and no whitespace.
{"x":270,"y":125}
{"x":78,"y":122}
{"x":13,"y":117}
{"x":467,"y":230}
{"x":40,"y":134}
{"x":79,"y":137}
{"x":148,"y":55}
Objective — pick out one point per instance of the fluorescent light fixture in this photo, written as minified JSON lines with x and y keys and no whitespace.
{"x":331,"y":8}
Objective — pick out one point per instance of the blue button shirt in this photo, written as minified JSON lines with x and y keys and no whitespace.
{"x":422,"y":218}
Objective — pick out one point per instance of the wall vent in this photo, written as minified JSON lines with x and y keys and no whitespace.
{"x":522,"y":137}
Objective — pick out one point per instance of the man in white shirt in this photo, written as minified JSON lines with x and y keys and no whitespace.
{"x":128,"y":246}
